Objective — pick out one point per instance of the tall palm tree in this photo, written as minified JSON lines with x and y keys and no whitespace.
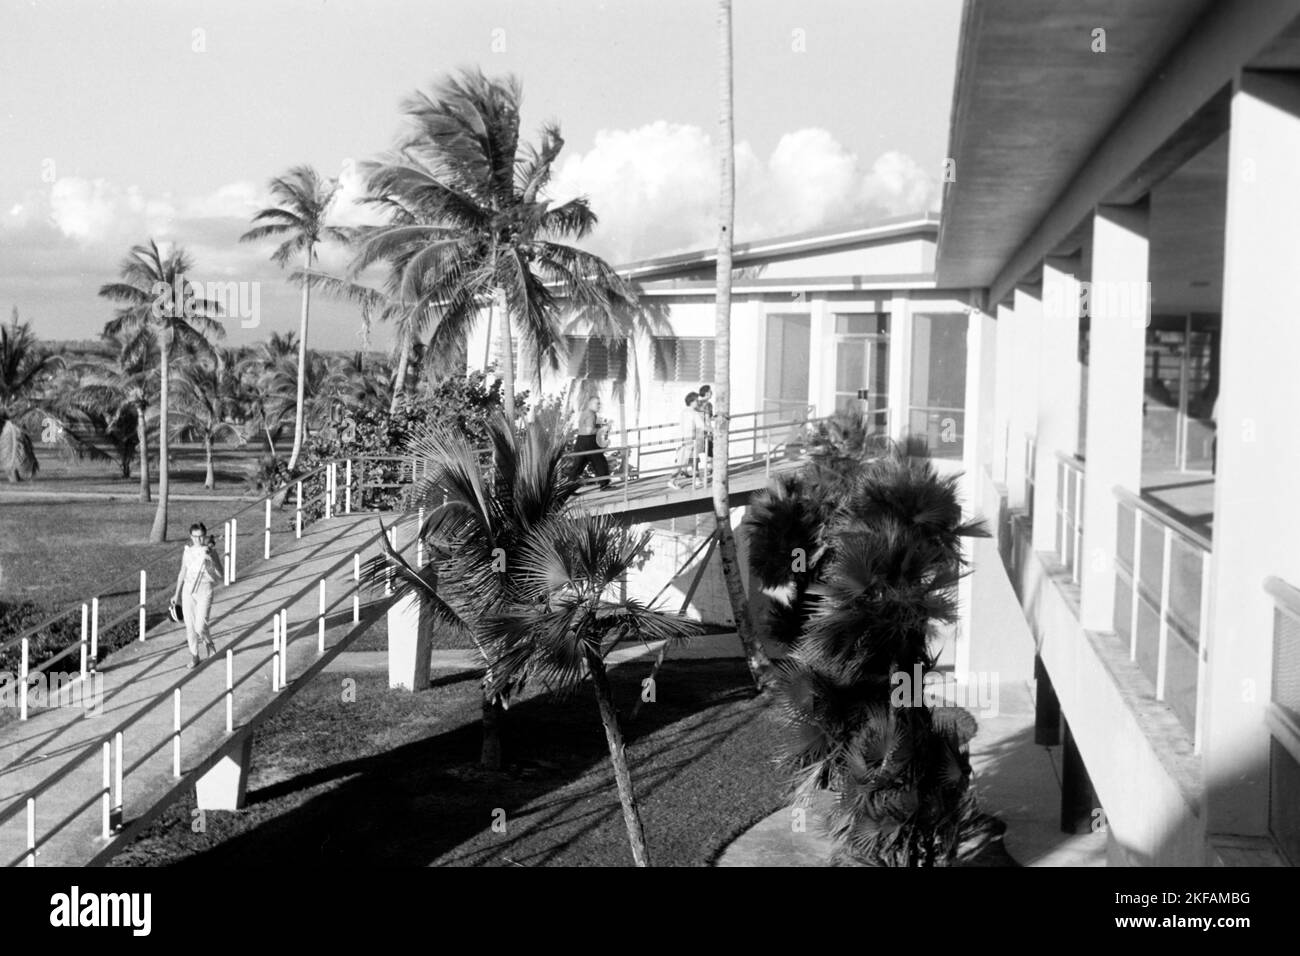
{"x":205,"y":391}
{"x":483,"y":234}
{"x":760,"y":667}
{"x":562,"y":623}
{"x":122,"y":388}
{"x":158,"y":299}
{"x":24,"y":368}
{"x":304,"y":199}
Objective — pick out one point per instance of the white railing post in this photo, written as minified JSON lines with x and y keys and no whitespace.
{"x":107,"y":794}
{"x":388,"y":572}
{"x":266,"y":533}
{"x":22,"y":687}
{"x":275,"y":652}
{"x":1163,"y":643}
{"x":1136,"y":594}
{"x":284,"y":648}
{"x":1204,"y":626}
{"x":234,"y":550}
{"x":176,"y":736}
{"x":85,"y":618}
{"x":230,"y":690}
{"x":329,"y":491}
{"x":356,"y":587}
{"x":31,"y":831}
{"x":320,"y":621}
{"x":117,"y":778}
{"x":225,"y":553}
{"x":347,"y":490}
{"x":298,"y":510}
{"x":144,"y":599}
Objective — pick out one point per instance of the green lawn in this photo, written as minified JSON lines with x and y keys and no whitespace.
{"x":393,"y":778}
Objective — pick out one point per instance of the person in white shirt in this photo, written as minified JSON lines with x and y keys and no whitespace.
{"x":691,"y":437}
{"x":201,"y":571}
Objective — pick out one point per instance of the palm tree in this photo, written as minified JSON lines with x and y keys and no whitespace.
{"x":471,"y":227}
{"x":158,"y":299}
{"x":479,"y":514}
{"x":560,"y":625}
{"x":24,"y":368}
{"x":760,"y":666}
{"x":304,"y":200}
{"x":205,"y":391}
{"x":886,"y":561}
{"x":120,"y":390}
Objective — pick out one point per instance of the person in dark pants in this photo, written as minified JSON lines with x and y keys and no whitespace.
{"x":587,"y":446}
{"x":705,"y":405}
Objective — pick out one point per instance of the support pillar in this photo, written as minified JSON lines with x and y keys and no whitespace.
{"x":1058,"y":391}
{"x":224,"y":786}
{"x":1119,"y":305}
{"x":1004,"y":390}
{"x":410,"y":628}
{"x":1023,"y":411}
{"x":1256,"y":523}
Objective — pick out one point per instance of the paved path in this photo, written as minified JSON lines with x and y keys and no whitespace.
{"x":57,"y":754}
{"x":1015,"y":779}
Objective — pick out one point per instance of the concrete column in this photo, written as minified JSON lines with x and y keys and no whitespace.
{"x":1058,"y":390}
{"x":821,"y":348}
{"x":226,"y":784}
{"x":981,"y":334}
{"x":1023,"y":415}
{"x":410,"y":628}
{"x":1256,"y":522}
{"x":1004,"y":389}
{"x":900,"y":367}
{"x":1119,"y":305}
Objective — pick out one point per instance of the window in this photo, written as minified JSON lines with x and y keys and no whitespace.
{"x":684,"y":360}
{"x":938,"y":399}
{"x":595,"y":358}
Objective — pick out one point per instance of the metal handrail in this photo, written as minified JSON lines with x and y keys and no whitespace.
{"x":1190,"y":535}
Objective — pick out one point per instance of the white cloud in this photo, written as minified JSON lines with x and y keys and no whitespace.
{"x":92,"y":211}
{"x":654,"y":188}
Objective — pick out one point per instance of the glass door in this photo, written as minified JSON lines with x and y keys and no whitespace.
{"x":862,"y":365}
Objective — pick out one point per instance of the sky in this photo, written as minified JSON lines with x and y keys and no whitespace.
{"x":121,"y":121}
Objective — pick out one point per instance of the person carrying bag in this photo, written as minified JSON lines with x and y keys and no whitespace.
{"x":201,"y":572}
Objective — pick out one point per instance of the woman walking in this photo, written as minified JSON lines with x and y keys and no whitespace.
{"x":201,"y":571}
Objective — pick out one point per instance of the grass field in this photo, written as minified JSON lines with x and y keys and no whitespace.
{"x":392,"y":778}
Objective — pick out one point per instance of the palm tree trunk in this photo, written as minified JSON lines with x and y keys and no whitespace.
{"x":302,"y":368}
{"x":159,"y":531}
{"x":507,"y":358}
{"x":211,"y":480}
{"x":399,"y":375}
{"x":618,"y":757}
{"x":493,"y":715}
{"x":732,"y":574}
{"x":143,"y":432}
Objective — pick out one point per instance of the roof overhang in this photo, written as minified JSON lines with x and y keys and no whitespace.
{"x":1043,"y":128}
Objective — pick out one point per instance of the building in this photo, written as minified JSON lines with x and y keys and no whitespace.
{"x":1125,"y":196}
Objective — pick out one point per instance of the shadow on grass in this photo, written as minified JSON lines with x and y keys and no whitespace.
{"x":700,"y":757}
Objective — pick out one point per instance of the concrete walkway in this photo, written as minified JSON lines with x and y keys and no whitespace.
{"x":1016,"y":780}
{"x":56,"y":755}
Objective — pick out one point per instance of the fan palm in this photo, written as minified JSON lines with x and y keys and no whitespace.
{"x":888,"y":561}
{"x":304,"y":199}
{"x":478,"y":517}
{"x":24,"y":368}
{"x":471,"y":226}
{"x":157,"y":299}
{"x":562,"y":623}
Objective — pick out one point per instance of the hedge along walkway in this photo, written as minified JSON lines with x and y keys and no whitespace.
{"x":57,"y":755}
